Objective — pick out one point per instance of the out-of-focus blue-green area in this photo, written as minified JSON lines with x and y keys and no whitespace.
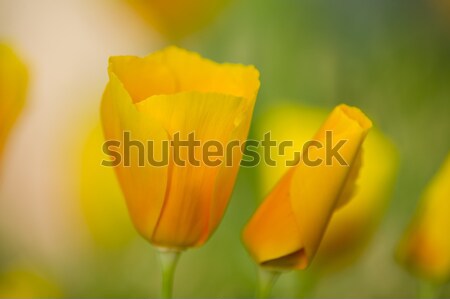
{"x":390,"y":58}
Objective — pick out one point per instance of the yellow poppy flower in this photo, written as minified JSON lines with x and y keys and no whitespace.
{"x":171,"y":92}
{"x":13,"y":83}
{"x":352,"y":226}
{"x":177,"y":18}
{"x":286,"y":230}
{"x":425,"y":250}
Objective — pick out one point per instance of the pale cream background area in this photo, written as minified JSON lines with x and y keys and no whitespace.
{"x":66,"y":45}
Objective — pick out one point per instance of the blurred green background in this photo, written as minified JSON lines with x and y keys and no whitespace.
{"x":391,"y":58}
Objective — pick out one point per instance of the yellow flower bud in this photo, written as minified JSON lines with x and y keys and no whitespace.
{"x":288,"y":226}
{"x":352,"y":226}
{"x":425,"y":249}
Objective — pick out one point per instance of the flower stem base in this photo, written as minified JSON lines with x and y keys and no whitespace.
{"x":267,"y":279}
{"x":168,"y":259}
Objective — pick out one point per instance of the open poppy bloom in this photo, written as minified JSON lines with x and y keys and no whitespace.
{"x":287,"y":228}
{"x":176,"y":92}
{"x":425,"y":249}
{"x":13,"y":85}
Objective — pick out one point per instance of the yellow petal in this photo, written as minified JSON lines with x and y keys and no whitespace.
{"x":143,"y":187}
{"x":226,"y":176}
{"x":272,"y":235}
{"x":187,"y":208}
{"x":174,"y":70}
{"x":349,"y":189}
{"x":316,"y":190}
{"x":13,"y":84}
{"x":426,"y":247}
{"x":352,"y":225}
{"x":312,"y":193}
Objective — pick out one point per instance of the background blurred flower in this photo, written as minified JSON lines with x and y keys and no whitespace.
{"x":102,"y":204}
{"x":177,"y":18}
{"x":21,"y":281}
{"x":177,"y":207}
{"x":352,"y":226}
{"x":13,"y":83}
{"x":425,"y":249}
{"x":286,"y":230}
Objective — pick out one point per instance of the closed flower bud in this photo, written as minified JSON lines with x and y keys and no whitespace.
{"x":286,"y":230}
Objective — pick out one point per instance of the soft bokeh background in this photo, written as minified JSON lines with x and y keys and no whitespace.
{"x":390,"y":58}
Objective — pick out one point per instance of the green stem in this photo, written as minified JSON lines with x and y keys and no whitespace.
{"x":267,"y":279}
{"x":168,"y":259}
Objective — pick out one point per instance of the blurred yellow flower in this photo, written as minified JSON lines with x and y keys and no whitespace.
{"x":425,"y":249}
{"x":100,"y":195}
{"x":286,"y":230}
{"x":352,"y":226}
{"x":177,"y":18}
{"x":24,"y":282}
{"x":176,"y":91}
{"x":13,"y":83}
